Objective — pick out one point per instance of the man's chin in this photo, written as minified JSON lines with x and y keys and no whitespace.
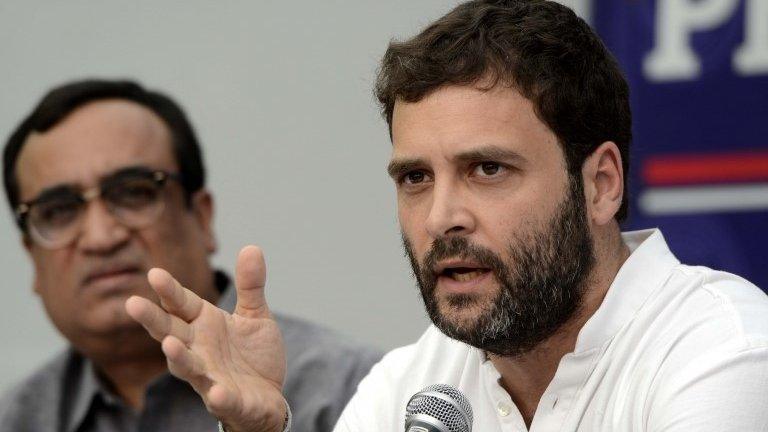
{"x":460,"y":314}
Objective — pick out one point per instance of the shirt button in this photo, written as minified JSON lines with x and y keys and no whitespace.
{"x":503,"y":409}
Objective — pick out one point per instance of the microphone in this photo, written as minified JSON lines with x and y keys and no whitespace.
{"x":438,"y":408}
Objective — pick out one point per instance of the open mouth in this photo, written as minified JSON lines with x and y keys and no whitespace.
{"x":464,"y":274}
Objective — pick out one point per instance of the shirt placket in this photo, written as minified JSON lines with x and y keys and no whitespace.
{"x":558,"y":400}
{"x":506,"y":412}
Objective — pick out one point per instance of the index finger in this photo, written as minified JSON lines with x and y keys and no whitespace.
{"x":174,"y":298}
{"x":156,"y":321}
{"x":250,"y":278}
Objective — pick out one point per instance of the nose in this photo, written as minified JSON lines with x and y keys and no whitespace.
{"x":101,"y":233}
{"x":449,"y":213}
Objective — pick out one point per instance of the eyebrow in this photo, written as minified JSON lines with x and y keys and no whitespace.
{"x":127,"y":171}
{"x":490,"y":153}
{"x":398,"y":167}
{"x":52,"y":192}
{"x":64,"y":188}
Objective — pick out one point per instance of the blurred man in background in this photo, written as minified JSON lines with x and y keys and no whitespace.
{"x":106,"y":180}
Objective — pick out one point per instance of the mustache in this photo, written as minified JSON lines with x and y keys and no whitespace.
{"x":460,"y":247}
{"x":443,"y":248}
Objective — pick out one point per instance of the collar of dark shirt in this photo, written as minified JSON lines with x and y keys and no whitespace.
{"x":89,"y":386}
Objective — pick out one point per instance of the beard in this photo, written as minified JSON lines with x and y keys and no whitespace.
{"x":541,"y":284}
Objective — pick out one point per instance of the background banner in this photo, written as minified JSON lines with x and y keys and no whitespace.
{"x":698,"y":72}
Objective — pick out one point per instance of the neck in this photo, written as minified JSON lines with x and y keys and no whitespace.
{"x":527,"y":376}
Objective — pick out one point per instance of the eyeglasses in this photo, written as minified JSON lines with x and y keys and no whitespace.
{"x":133,"y":196}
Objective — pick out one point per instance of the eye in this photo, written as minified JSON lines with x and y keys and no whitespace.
{"x":133,"y":193}
{"x":488,"y":169}
{"x":56,"y":213}
{"x":414,"y":178}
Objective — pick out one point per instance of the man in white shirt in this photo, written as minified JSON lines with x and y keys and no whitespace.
{"x":671,"y":348}
{"x":510,"y":125}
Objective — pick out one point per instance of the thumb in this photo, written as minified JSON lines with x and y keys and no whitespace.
{"x":250,"y":278}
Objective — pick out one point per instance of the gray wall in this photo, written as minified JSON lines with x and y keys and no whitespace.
{"x":280,"y":93}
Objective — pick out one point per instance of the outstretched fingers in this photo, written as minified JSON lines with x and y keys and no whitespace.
{"x":158,"y":322}
{"x":250,"y":279}
{"x":184,"y":364}
{"x":174,"y":298}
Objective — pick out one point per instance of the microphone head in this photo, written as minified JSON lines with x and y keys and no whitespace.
{"x":438,"y":408}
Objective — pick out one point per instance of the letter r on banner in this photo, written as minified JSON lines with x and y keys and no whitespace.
{"x":752,"y":57}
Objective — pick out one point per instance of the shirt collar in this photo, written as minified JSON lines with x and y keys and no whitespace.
{"x":647,"y":268}
{"x":88,"y":388}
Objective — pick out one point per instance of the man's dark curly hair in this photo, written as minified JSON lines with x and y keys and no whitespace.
{"x":539,"y":47}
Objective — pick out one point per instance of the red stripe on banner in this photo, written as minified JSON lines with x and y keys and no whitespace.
{"x":702,"y":169}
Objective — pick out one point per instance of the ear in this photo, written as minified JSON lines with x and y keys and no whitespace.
{"x":202,"y":206}
{"x":603,"y":183}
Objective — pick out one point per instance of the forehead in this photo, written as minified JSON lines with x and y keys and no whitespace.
{"x":92,"y":141}
{"x":457,"y":119}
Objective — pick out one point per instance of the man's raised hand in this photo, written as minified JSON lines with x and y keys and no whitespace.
{"x":235,"y":362}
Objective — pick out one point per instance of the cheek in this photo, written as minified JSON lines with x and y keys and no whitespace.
{"x":412,"y":229}
{"x":535,"y":197}
{"x":504,"y":223}
{"x":172,"y":243}
{"x":55,"y":279}
{"x":412,"y":215}
{"x":163,"y":240}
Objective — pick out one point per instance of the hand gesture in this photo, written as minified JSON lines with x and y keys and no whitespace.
{"x":235,"y":362}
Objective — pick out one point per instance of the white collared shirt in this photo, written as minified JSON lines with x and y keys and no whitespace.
{"x":671,"y":348}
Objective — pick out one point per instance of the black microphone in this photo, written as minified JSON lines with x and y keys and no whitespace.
{"x":438,"y":408}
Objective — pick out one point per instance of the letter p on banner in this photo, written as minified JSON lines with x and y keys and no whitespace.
{"x":672,"y":57}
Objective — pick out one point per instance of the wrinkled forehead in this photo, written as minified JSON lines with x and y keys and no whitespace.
{"x":459,"y":119}
{"x":95,"y":140}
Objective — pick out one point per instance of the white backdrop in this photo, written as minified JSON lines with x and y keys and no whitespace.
{"x":280,"y":94}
